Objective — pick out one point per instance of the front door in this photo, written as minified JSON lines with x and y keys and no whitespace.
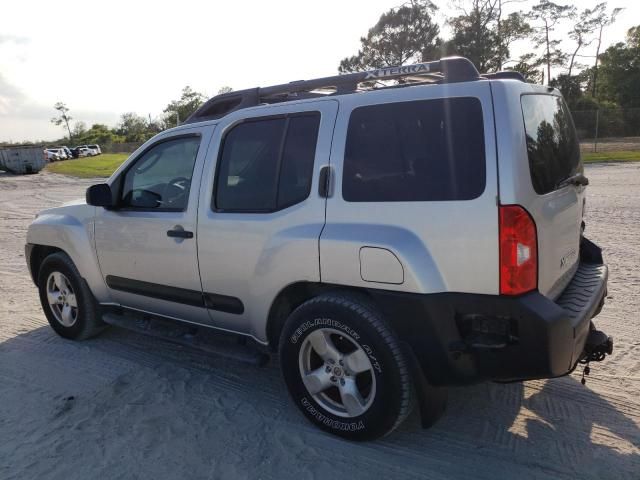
{"x":146,"y":246}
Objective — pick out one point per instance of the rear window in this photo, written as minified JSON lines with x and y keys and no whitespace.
{"x":552,"y":147}
{"x":427,"y":150}
{"x":267,"y":164}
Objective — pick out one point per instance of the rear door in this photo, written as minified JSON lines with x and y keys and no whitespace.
{"x":260,"y":214}
{"x":553,"y":156}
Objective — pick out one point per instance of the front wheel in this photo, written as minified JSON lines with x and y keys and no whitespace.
{"x":344,"y":367}
{"x":66,"y":299}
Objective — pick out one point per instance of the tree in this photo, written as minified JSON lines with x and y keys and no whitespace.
{"x":225,"y":89}
{"x":63,"y":117}
{"x":481,"y":34}
{"x":514,"y":27}
{"x":570,"y":86}
{"x":79,"y":128}
{"x":620,"y":71}
{"x":188,"y":103}
{"x":401,"y":35}
{"x":601,"y":20}
{"x":528,"y":67}
{"x":547,"y":15}
{"x":472,"y":36}
{"x":133,"y":128}
{"x":580,"y":33}
{"x":100,"y":134}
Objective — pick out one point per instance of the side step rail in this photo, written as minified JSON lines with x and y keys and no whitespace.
{"x":200,"y":338}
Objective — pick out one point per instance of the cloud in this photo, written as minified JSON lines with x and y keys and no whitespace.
{"x":22,"y":118}
{"x":18,"y":40}
{"x":11,"y":97}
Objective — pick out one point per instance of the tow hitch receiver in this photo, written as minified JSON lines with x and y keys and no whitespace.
{"x":597,"y":347}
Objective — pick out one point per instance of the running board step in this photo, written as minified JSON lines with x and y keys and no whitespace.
{"x":200,"y":338}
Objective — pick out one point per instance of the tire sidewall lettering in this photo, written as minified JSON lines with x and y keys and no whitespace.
{"x":328,"y":421}
{"x":324,"y":322}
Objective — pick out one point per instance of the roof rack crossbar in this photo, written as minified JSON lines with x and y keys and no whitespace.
{"x":453,"y":69}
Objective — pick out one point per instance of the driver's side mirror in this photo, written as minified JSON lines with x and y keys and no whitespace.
{"x":100,"y":195}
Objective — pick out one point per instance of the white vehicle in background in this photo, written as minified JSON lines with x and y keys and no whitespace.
{"x":80,"y":151}
{"x":52,"y":154}
{"x":67,"y":151}
{"x":92,"y":150}
{"x":95,"y":148}
{"x":62,"y":153}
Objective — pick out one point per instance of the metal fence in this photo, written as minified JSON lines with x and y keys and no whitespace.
{"x":608,"y":129}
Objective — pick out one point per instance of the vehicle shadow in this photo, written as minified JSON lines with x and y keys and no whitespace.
{"x":557,"y":425}
{"x":152,"y":393}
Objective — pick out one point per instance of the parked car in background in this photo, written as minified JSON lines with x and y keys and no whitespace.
{"x":92,"y":150}
{"x":52,"y":155}
{"x":81,"y":151}
{"x":67,"y":150}
{"x":95,"y":148}
{"x":60,"y":151}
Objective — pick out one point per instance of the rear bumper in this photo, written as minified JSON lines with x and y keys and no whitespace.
{"x":465,"y":338}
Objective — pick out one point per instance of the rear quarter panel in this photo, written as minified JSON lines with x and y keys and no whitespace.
{"x":441,"y":245}
{"x":555,"y":213}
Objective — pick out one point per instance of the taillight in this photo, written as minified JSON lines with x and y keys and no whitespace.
{"x":518,"y":251}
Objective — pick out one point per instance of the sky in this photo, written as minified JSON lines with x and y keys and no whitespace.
{"x":107,"y":58}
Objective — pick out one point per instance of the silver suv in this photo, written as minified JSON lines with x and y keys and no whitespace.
{"x":388,"y":233}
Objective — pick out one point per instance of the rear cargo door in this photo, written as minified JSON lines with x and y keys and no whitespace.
{"x":557,"y":207}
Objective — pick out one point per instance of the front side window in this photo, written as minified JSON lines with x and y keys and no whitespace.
{"x":426,"y":150}
{"x":161,"y":178}
{"x":267,"y":165}
{"x":552,"y":146}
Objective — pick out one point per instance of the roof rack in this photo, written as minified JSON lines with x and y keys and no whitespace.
{"x":504,"y":75}
{"x":445,"y":70}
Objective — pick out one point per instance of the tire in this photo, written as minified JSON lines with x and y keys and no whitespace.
{"x":59,"y":278}
{"x":352,"y":337}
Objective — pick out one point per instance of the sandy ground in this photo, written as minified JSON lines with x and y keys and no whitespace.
{"x":127,"y":406}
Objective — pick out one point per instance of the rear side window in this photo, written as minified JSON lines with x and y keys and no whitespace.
{"x":552,"y":147}
{"x":427,"y":150}
{"x":267,"y":165}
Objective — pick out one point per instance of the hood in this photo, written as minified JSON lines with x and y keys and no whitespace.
{"x":77,"y":201}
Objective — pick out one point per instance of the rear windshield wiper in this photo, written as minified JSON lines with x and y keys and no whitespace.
{"x":578,"y":180}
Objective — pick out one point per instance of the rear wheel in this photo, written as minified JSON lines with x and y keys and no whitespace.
{"x":344,"y":367}
{"x":66,"y":299}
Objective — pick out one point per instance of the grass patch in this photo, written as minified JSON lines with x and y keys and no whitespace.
{"x":622,"y":156}
{"x":101,"y":166}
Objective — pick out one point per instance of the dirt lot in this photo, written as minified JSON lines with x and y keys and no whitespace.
{"x":127,"y":406}
{"x":612,"y":144}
